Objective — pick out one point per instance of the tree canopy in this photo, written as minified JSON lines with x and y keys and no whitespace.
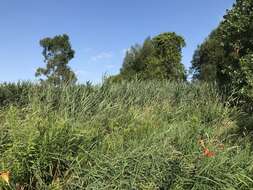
{"x":57,"y":53}
{"x":226,"y":55}
{"x":157,"y":58}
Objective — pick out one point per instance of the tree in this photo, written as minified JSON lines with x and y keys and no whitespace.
{"x":135,"y":61}
{"x":237,"y":35}
{"x":169,"y":51}
{"x":158,"y":58}
{"x":208,"y":59}
{"x":57,"y":53}
{"x":229,"y":52}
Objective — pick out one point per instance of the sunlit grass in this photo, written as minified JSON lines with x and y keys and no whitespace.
{"x":136,"y":135}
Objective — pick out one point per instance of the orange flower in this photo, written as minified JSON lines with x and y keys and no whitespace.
{"x":5,"y":176}
{"x":208,"y":153}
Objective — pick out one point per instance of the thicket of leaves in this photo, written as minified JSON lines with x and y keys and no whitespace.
{"x":157,"y":58}
{"x":226,"y":56}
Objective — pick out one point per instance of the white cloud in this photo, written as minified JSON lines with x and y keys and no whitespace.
{"x":101,"y":56}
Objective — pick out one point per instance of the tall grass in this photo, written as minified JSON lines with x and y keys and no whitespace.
{"x":136,"y":135}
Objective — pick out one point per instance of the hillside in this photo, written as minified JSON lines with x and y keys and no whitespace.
{"x":135,"y":135}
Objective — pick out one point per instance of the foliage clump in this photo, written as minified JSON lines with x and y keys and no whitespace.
{"x":226,"y":55}
{"x":158,"y":58}
{"x":57,"y":52}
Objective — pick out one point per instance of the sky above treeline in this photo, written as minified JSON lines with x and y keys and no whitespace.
{"x":100,"y":31}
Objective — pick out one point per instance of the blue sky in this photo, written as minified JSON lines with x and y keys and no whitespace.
{"x":100,"y":31}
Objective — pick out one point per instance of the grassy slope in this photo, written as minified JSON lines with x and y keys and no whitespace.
{"x":140,"y":135}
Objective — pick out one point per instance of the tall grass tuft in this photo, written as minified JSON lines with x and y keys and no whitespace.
{"x":135,"y":135}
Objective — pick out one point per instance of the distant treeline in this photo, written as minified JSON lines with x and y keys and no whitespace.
{"x":224,"y":58}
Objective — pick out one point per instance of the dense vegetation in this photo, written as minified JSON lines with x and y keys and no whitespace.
{"x":226,"y":55}
{"x":158,"y":58}
{"x":145,"y":128}
{"x":133,"y":135}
